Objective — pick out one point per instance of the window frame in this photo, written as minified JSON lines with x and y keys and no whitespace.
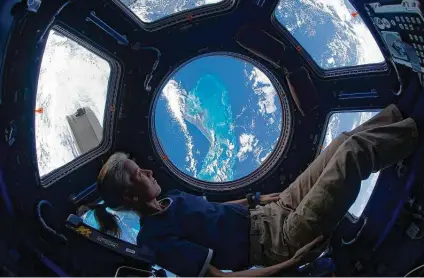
{"x":108,"y":118}
{"x":352,"y":218}
{"x":178,"y":17}
{"x":333,"y":72}
{"x":263,"y":171}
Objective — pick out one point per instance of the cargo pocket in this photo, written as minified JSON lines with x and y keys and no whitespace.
{"x":275,"y":250}
{"x":256,"y":237}
{"x":256,"y":227}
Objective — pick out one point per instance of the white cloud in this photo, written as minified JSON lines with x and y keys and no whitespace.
{"x":332,"y":130}
{"x":334,"y":124}
{"x":367,"y":187}
{"x":212,"y":1}
{"x":262,"y":159}
{"x":175,"y":95}
{"x":248,"y":142}
{"x":352,"y":43}
{"x":362,"y":118}
{"x":265,"y":91}
{"x":369,"y":52}
{"x":241,"y":113}
{"x":252,"y":124}
{"x":218,"y":163}
{"x":152,"y":10}
{"x":71,"y":77}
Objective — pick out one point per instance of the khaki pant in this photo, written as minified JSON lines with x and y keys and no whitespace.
{"x":320,"y":197}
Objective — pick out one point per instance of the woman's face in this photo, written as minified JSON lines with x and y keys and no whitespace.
{"x":145,"y":186}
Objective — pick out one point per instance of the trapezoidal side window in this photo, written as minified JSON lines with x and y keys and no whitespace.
{"x":347,"y":121}
{"x":220,"y":122}
{"x":331,"y":32}
{"x":128,"y":221}
{"x":150,"y":11}
{"x":129,"y":224}
{"x":70,"y":102}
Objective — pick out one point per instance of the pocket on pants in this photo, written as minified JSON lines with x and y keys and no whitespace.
{"x":256,"y":236}
{"x":256,"y":226}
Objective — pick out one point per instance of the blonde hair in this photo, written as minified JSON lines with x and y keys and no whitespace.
{"x":114,"y":170}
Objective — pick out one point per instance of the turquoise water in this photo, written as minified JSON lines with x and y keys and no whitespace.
{"x":209,"y":109}
{"x":218,"y":118}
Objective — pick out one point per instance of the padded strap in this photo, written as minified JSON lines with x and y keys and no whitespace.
{"x":303,"y":90}
{"x":262,"y":44}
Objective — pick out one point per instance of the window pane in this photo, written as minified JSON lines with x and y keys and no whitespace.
{"x":224,"y":112}
{"x":129,"y":222}
{"x":152,"y":10}
{"x":347,"y":121}
{"x":329,"y":32}
{"x":71,"y":97}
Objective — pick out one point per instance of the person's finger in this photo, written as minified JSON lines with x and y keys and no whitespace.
{"x":274,"y":194}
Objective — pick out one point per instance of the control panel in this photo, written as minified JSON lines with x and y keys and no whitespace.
{"x":401,"y":27}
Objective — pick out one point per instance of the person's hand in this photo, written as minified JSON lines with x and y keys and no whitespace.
{"x":306,"y":254}
{"x":265,"y":199}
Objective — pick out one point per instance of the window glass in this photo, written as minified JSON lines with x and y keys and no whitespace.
{"x":224,"y":113}
{"x":152,"y":10}
{"x":129,"y":222}
{"x":331,"y":32}
{"x":347,"y":121}
{"x":70,"y":102}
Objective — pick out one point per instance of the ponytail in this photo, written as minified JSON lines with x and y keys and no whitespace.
{"x":112,"y":184}
{"x":107,"y":221}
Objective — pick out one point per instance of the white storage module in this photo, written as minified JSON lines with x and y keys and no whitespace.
{"x":86,"y":129}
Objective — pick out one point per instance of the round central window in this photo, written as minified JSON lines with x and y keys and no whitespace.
{"x":220,"y":122}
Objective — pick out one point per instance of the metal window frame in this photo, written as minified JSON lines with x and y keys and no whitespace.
{"x":263,"y":170}
{"x":108,"y":118}
{"x":178,"y":17}
{"x":333,"y":72}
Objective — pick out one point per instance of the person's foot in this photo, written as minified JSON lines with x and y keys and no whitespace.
{"x":407,"y":101}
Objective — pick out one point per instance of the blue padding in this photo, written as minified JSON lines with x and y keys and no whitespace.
{"x":53,"y":267}
{"x":5,"y":195}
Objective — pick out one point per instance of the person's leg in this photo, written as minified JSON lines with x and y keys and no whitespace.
{"x":338,"y":185}
{"x":291,"y":197}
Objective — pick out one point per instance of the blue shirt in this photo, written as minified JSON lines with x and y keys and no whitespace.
{"x":193,"y":233}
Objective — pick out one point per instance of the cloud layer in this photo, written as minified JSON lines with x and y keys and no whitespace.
{"x":71,"y":77}
{"x":175,"y":96}
{"x":351,"y":42}
{"x":153,"y":10}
